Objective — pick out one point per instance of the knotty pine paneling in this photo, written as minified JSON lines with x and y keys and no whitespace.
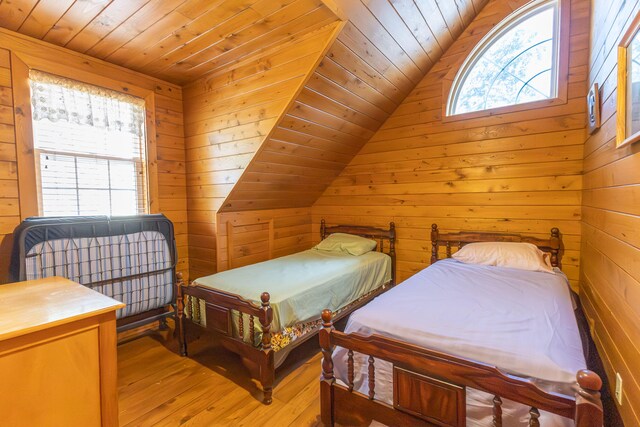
{"x":169,"y":135}
{"x":514,"y":172}
{"x":384,"y":50}
{"x":610,"y":267}
{"x":227,"y":117}
{"x":175,"y":40}
{"x":261,"y":235}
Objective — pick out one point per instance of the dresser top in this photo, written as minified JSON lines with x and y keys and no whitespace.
{"x":34,"y":305}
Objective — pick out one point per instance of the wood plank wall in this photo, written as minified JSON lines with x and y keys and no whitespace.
{"x":227,"y":117}
{"x":384,"y":50}
{"x":515,"y":172}
{"x":169,"y":138}
{"x":252,"y":241}
{"x":610,"y":273}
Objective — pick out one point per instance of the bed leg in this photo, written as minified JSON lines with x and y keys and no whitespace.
{"x":588,"y":404}
{"x":267,"y":377}
{"x":328,"y":379}
{"x":267,"y":367}
{"x":162,"y":325}
{"x":182,"y":339}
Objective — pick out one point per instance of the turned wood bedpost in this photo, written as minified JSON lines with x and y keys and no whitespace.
{"x":434,"y":243}
{"x":182,"y":339}
{"x":588,"y":404}
{"x":323,"y":229}
{"x":555,"y":246}
{"x":326,"y":384}
{"x":392,"y":251}
{"x":267,"y":367}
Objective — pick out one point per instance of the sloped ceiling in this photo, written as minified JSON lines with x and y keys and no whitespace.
{"x":174,"y":40}
{"x":383,"y":51}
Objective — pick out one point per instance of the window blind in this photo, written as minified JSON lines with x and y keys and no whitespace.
{"x":90,"y":148}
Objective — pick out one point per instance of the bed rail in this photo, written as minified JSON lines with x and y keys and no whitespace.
{"x":430,"y":386}
{"x":219,"y":313}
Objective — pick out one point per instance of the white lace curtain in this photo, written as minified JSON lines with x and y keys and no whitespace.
{"x":60,"y":99}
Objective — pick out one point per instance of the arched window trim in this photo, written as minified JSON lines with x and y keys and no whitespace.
{"x":453,"y":80}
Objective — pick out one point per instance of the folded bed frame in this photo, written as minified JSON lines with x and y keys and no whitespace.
{"x":131,"y":259}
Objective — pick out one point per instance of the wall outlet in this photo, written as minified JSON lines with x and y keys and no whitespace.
{"x":618,"y":388}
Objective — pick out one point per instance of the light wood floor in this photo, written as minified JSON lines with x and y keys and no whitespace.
{"x":211,"y":387}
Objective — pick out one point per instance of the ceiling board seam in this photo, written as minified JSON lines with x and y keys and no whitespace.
{"x":87,"y":24}
{"x":396,"y":40}
{"x":27,"y":15}
{"x":326,"y":113}
{"x":33,"y":10}
{"x":381,"y":52}
{"x":183,"y":27}
{"x":343,"y":105}
{"x":105,"y":10}
{"x":302,"y":119}
{"x":364,"y":60}
{"x":130,"y":18}
{"x":358,"y":79}
{"x":209,"y":31}
{"x":261,"y":36}
{"x":341,"y":87}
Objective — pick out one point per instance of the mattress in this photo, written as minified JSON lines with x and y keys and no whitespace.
{"x":134,"y":268}
{"x":520,"y":321}
{"x":303,"y":284}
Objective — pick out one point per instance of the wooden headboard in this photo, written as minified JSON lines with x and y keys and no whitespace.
{"x":552,"y":245}
{"x":377,"y":234}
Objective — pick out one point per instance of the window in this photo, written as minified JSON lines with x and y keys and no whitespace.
{"x":89,"y":148}
{"x":516,"y":63}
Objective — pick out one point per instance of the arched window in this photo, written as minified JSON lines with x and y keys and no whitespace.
{"x":517,"y":62}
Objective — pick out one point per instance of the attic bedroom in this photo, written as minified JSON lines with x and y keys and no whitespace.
{"x":320,"y":212}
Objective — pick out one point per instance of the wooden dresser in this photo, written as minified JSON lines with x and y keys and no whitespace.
{"x":57,"y":355}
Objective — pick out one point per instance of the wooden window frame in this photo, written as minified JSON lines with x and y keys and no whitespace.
{"x":622,"y":139}
{"x":28,"y":188}
{"x":564,"y":30}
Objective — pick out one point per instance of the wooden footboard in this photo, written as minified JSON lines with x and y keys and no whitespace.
{"x":430,"y":387}
{"x":229,"y":329}
{"x":219,"y":308}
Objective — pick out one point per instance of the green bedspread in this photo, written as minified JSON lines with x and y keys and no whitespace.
{"x":303,"y":284}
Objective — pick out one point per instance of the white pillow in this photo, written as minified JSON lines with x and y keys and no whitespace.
{"x":347,"y":243}
{"x":525,"y":256}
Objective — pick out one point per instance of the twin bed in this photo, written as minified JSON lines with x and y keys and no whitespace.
{"x":263,"y":311}
{"x":424,"y":353}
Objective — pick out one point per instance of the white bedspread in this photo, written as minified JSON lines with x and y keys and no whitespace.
{"x":521,"y":321}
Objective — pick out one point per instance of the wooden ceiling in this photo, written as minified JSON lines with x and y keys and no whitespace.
{"x":175,"y":40}
{"x":384,"y":50}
